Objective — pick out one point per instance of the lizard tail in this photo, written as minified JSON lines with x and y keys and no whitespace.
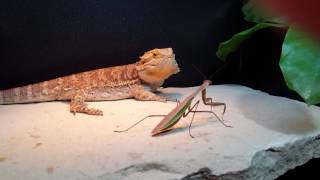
{"x":16,"y":95}
{"x":25,"y":94}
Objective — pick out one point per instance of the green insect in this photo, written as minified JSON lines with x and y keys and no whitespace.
{"x":182,"y":110}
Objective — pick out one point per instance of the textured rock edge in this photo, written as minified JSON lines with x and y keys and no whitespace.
{"x":269,"y":163}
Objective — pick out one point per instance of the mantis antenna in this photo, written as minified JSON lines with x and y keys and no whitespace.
{"x":212,"y":75}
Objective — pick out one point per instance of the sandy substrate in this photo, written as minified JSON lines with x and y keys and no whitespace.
{"x":269,"y":135}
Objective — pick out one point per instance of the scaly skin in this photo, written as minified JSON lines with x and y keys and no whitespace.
{"x":136,"y":80}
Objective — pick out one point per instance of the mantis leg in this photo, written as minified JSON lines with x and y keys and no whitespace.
{"x":119,"y":131}
{"x":219,"y":119}
{"x":161,"y":115}
{"x":194,"y":112}
{"x":195,"y":106}
{"x":209,"y":101}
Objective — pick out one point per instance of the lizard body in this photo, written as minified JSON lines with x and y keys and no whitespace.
{"x":136,"y":80}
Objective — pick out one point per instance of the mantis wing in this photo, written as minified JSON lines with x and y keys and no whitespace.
{"x":172,"y":118}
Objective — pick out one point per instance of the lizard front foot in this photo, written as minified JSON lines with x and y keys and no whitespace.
{"x":161,"y":99}
{"x":140,"y":94}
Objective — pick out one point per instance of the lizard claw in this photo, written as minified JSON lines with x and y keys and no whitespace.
{"x":96,"y":112}
{"x":173,"y":100}
{"x":162,"y":99}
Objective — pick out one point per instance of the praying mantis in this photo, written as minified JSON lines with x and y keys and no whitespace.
{"x":183,"y":109}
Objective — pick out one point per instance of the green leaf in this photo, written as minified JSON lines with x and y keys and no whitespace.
{"x":300,"y":65}
{"x":231,"y":45}
{"x":256,"y":14}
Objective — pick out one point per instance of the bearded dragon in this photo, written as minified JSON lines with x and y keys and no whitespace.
{"x":138,"y":80}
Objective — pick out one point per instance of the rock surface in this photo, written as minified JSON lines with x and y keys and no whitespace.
{"x":269,"y":136}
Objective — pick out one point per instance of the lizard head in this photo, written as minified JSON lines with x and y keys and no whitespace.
{"x":157,"y":65}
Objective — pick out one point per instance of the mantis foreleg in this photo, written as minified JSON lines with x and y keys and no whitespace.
{"x":209,"y":101}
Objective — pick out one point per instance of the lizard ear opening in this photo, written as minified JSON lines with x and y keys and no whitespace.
{"x":140,"y":64}
{"x":146,"y":56}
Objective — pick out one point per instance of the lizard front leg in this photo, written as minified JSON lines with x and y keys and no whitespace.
{"x":140,"y":93}
{"x":78,"y":105}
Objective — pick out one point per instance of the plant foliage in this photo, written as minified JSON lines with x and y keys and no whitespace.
{"x":300,"y":56}
{"x":300,"y":65}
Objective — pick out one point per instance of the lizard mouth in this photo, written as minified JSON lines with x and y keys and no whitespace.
{"x":155,"y":73}
{"x":173,"y":64}
{"x":167,"y":68}
{"x":168,"y":63}
{"x":157,"y":65}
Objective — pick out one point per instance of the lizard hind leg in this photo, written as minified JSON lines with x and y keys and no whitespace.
{"x":78,"y":105}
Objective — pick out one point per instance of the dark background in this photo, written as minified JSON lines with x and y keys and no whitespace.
{"x":41,"y":40}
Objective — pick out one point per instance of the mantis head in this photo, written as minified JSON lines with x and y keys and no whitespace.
{"x":207,"y":82}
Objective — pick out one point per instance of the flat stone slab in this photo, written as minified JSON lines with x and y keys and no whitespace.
{"x":269,"y":136}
